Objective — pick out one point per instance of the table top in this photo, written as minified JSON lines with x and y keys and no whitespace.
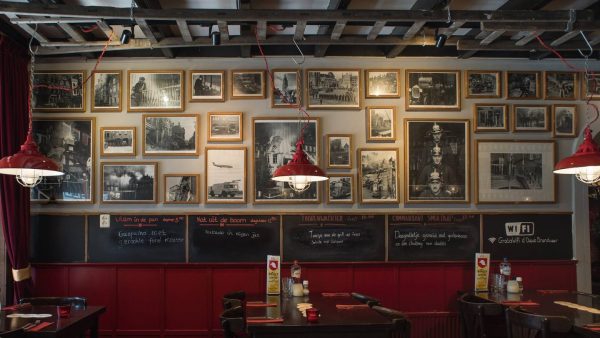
{"x":77,"y":316}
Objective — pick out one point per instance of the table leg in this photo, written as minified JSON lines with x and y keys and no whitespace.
{"x":94,"y":328}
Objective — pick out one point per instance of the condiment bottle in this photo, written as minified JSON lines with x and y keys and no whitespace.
{"x":297,"y":289}
{"x":305,"y":290}
{"x":520,"y":281}
{"x":505,"y":270}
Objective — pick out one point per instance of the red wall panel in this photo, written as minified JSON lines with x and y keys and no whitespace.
{"x":140,"y":299}
{"x":187,"y":286}
{"x":99,"y":285}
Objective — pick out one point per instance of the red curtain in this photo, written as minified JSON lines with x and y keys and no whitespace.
{"x":14,"y":199}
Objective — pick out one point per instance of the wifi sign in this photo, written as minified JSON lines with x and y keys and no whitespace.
{"x":519,"y":228}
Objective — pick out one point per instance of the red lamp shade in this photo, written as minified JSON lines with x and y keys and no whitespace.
{"x":584,"y":163}
{"x":299,"y":172}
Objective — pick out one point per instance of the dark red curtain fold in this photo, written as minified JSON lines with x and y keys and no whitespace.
{"x":14,"y":199}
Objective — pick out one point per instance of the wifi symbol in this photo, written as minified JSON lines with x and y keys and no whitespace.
{"x":492,"y":239}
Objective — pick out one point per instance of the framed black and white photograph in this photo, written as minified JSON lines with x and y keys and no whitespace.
{"x":182,"y":188}
{"x":106,"y":91}
{"x":118,"y":141}
{"x":490,"y":117}
{"x":530,"y":118}
{"x":381,"y":124}
{"x":340,"y":189}
{"x":129,"y":182}
{"x":70,"y":142}
{"x":155,"y":91}
{"x":515,"y":171}
{"x":274,"y":144}
{"x":225,"y":174}
{"x":432,"y":90}
{"x":287,"y":91}
{"x":207,"y":86}
{"x":248,"y":84}
{"x":58,"y":91}
{"x":564,"y":117}
{"x":561,"y":85}
{"x":378,"y":175}
{"x":523,"y":85}
{"x":225,"y":127}
{"x":339,"y":151}
{"x":382,"y":83}
{"x":437,"y":161}
{"x":333,"y":88}
{"x":483,"y":84}
{"x":591,"y":87}
{"x":170,"y":134}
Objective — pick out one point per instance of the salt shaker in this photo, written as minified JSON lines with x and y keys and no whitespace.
{"x":305,"y":290}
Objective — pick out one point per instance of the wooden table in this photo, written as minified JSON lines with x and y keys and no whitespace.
{"x":361,"y":322}
{"x":80,"y":321}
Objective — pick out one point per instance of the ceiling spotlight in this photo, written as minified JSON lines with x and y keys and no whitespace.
{"x":440,"y":39}
{"x":215,"y":37}
{"x":127,"y":35}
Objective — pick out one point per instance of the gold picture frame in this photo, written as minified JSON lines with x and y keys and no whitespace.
{"x":71,"y":85}
{"x":182,"y":191}
{"x":162,"y":143}
{"x":117,"y":192}
{"x":517,"y":85}
{"x":340,"y":191}
{"x":479,"y":85}
{"x":487,"y":118}
{"x":527,"y":117}
{"x":564,"y":120}
{"x":103,"y":98}
{"x":377,"y":83}
{"x":339,"y":151}
{"x":561,"y":85}
{"x":587,"y":83}
{"x":232,"y":175}
{"x":166,"y":93}
{"x":199,"y":91}
{"x":121,"y":137}
{"x":381,"y":123}
{"x":317,"y":89}
{"x":423,"y":92}
{"x":378,"y":175}
{"x":225,"y":127}
{"x":294,"y":88}
{"x":244,"y":88}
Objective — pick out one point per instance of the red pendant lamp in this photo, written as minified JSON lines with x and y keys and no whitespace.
{"x":299,"y":173}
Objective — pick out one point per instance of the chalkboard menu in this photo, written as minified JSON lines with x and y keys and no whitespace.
{"x":57,"y":238}
{"x":437,"y":237}
{"x":233,"y":238}
{"x":137,"y":238}
{"x":334,"y":237}
{"x":527,"y":236}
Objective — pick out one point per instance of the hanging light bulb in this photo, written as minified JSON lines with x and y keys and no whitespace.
{"x":584,"y":163}
{"x":299,"y":173}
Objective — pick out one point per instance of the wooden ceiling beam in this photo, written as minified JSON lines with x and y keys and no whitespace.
{"x":333,"y":5}
{"x":419,"y":5}
{"x":223,"y":29}
{"x":184,"y":29}
{"x":414,"y":29}
{"x":261,"y":29}
{"x":376,"y":29}
{"x":145,"y":27}
{"x":397,"y":50}
{"x":509,"y":45}
{"x":105,"y":28}
{"x":32,"y":32}
{"x":300,"y":28}
{"x":539,"y":26}
{"x":530,"y":36}
{"x":491,"y":37}
{"x":74,"y":34}
{"x":338,"y":29}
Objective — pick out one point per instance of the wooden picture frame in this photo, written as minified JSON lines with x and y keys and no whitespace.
{"x":333,"y":88}
{"x":181,"y":138}
{"x":155,"y":90}
{"x":378,"y":175}
{"x":225,"y":127}
{"x":436,"y":164}
{"x":561,"y":85}
{"x":490,"y":117}
{"x":382,"y":83}
{"x":339,"y":151}
{"x":432,"y":90}
{"x":129,"y":182}
{"x":381,"y":123}
{"x":71,"y":143}
{"x":248,"y":84}
{"x":591,"y":82}
{"x":530,"y":118}
{"x":59,"y":91}
{"x":118,"y":141}
{"x":483,"y":84}
{"x":288,"y":88}
{"x":523,"y":85}
{"x":107,"y":91}
{"x":340,"y":189}
{"x":225,"y":181}
{"x":564,"y":120}
{"x":181,"y":188}
{"x":530,"y":181}
{"x":207,"y":86}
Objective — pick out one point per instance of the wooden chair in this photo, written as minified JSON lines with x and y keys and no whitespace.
{"x":76,"y":302}
{"x":240,"y":295}
{"x":231,"y":303}
{"x":477,"y":315}
{"x":233,"y":322}
{"x":365,"y":299}
{"x":18,"y":333}
{"x":400,"y":324}
{"x":522,"y":324}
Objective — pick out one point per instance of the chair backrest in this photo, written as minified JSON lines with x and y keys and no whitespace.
{"x":365,"y":299}
{"x":233,"y":322}
{"x":522,"y":324}
{"x":240,"y":295}
{"x":229,"y":303}
{"x":472,"y":312}
{"x":18,"y":333}
{"x":400,"y":324}
{"x":77,"y":302}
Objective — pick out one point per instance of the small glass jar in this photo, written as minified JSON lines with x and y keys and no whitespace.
{"x":305,"y":290}
{"x":297,"y":290}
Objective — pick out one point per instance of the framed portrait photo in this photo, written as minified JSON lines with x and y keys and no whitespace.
{"x":340,"y":189}
{"x":129,"y":182}
{"x":564,"y":117}
{"x":207,"y":86}
{"x":248,"y":84}
{"x":515,"y":171}
{"x":182,"y":188}
{"x":333,"y":88}
{"x":118,"y":141}
{"x":591,"y":86}
{"x":287,"y":91}
{"x":70,"y":142}
{"x":58,"y":91}
{"x":382,"y":83}
{"x":106,"y":91}
{"x":437,"y":161}
{"x":165,"y":134}
{"x":523,"y":85}
{"x":274,"y":144}
{"x":381,"y":124}
{"x":225,"y":127}
{"x":561,"y":85}
{"x":483,"y":84}
{"x":225,"y":174}
{"x":530,"y":118}
{"x":432,"y":90}
{"x":490,"y":117}
{"x":378,"y":175}
{"x":155,"y":91}
{"x":339,"y":151}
